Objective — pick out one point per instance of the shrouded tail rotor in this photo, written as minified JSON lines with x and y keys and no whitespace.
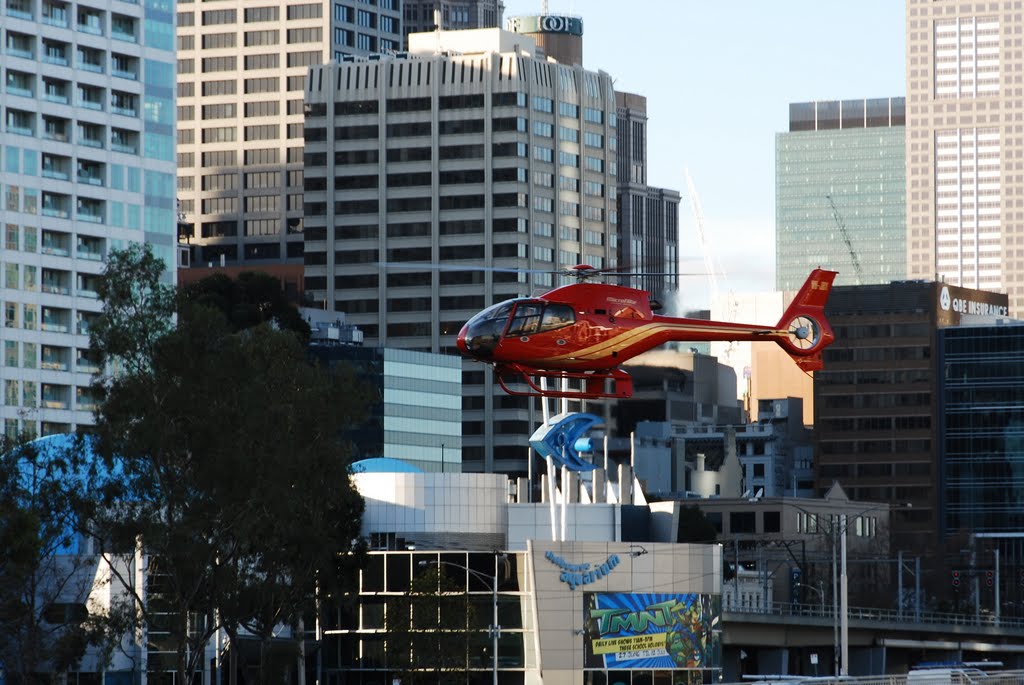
{"x":804,"y":333}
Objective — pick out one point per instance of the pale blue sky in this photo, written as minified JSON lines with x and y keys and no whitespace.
{"x":719,"y":76}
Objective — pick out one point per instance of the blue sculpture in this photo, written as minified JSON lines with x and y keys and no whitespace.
{"x":563,"y":437}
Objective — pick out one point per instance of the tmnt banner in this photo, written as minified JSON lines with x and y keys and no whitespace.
{"x":650,"y":630}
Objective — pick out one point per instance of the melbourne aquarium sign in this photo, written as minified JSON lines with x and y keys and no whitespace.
{"x":575,"y":575}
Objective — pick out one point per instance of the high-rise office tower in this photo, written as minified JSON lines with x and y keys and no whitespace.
{"x":648,"y":216}
{"x":878,"y":427}
{"x":87,"y":166}
{"x":468,"y":153}
{"x":840,"y":192}
{"x":965,"y":220}
{"x":422,"y":15}
{"x":241,"y":75}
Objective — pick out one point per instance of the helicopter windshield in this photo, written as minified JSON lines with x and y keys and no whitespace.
{"x":484,"y":330}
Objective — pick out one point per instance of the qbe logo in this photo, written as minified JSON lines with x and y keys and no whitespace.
{"x":944,"y":299}
{"x":554,"y":24}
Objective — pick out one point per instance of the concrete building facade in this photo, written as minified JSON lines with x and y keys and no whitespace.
{"x":241,"y":77}
{"x":470,"y":154}
{"x":87,"y":166}
{"x":965,"y":224}
{"x":421,"y":15}
{"x":840,"y":192}
{"x":648,"y":216}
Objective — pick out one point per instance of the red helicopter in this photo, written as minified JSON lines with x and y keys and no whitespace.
{"x":585,"y":330}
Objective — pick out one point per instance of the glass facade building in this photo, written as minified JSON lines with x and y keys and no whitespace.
{"x":419,"y":416}
{"x":839,"y":194}
{"x":982,"y":428}
{"x":87,"y":164}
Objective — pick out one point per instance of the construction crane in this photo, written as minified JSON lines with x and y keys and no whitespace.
{"x":709,"y":261}
{"x":698,"y":215}
{"x":846,"y":239}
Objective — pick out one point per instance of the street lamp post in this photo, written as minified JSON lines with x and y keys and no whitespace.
{"x":821,"y":593}
{"x":494,"y":629}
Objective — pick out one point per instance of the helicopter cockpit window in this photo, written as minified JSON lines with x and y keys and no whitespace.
{"x":556,"y":316}
{"x":484,"y":330}
{"x":525,"y":320}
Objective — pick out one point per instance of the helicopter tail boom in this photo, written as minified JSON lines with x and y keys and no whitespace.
{"x":807,"y":332}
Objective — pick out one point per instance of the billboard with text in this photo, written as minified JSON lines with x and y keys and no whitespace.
{"x":651,"y":630}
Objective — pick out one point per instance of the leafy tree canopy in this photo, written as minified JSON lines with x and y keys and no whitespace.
{"x":224,"y":439}
{"x":251,"y":299}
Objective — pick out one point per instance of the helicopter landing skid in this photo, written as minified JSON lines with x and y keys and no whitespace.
{"x":595,"y":384}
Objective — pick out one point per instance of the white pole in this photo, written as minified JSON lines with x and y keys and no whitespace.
{"x":996,"y":588}
{"x":550,"y":465}
{"x":495,"y":628}
{"x":844,"y":598}
{"x":835,"y":599}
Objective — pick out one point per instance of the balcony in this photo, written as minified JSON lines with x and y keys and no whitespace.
{"x":86,"y":363}
{"x":89,"y":210}
{"x":56,"y":205}
{"x":55,"y":53}
{"x":91,"y":174}
{"x":55,"y":319}
{"x":124,"y":141}
{"x":19,"y":83}
{"x":123,"y":106}
{"x":90,"y":248}
{"x":20,"y":123}
{"x":56,"y":93}
{"x":54,"y":16}
{"x":123,"y":28}
{"x":55,"y":288}
{"x":56,"y":167}
{"x":90,"y":59}
{"x":90,"y":136}
{"x":90,"y":22}
{"x":84,"y":322}
{"x":54,"y":358}
{"x":88,"y":286}
{"x":19,"y":9}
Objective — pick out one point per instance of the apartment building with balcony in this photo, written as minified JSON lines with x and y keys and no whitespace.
{"x":86,"y":165}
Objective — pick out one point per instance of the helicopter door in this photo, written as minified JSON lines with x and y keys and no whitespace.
{"x":525,"y":320}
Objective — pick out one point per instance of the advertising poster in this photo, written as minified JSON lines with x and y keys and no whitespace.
{"x":650,"y":630}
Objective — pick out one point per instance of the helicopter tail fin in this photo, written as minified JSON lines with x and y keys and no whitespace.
{"x":806,"y":331}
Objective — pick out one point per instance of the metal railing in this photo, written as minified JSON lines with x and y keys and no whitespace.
{"x":957,"y":676}
{"x":886,"y":615}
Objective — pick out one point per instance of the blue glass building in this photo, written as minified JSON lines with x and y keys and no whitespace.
{"x":840,"y":192}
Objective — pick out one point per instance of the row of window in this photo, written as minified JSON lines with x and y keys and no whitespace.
{"x":467,"y":101}
{"x":87,"y":19}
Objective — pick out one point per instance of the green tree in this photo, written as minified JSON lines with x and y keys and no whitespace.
{"x":44,"y":582}
{"x":249,"y":300}
{"x":227,"y":465}
{"x":427,"y":628}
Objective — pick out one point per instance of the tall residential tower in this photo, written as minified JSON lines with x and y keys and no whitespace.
{"x":87,"y":166}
